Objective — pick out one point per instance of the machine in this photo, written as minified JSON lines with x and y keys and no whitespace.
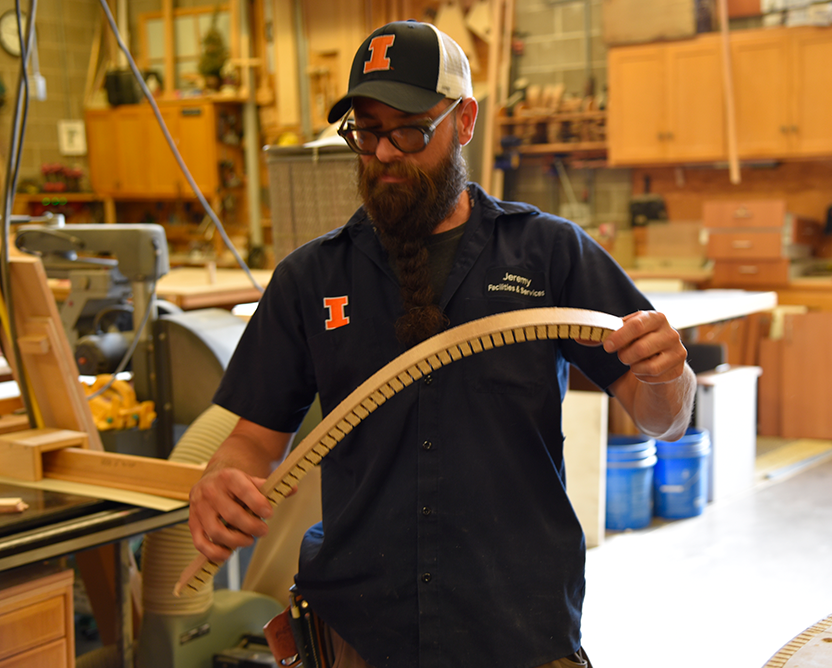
{"x":105,"y":265}
{"x":179,"y":357}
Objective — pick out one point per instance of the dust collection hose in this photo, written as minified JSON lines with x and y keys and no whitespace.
{"x":165,"y":553}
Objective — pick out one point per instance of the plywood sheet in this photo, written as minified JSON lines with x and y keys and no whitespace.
{"x":634,"y":21}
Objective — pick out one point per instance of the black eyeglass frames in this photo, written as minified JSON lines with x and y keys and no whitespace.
{"x":407,"y":138}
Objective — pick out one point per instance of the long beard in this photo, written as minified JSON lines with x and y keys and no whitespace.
{"x":405,"y":215}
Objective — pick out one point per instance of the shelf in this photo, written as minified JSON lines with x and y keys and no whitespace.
{"x":529,"y":118}
{"x":542,"y":132}
{"x":47,"y":198}
{"x":564,"y":147}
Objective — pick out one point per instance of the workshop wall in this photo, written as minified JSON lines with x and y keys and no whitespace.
{"x":64,"y":29}
{"x":554,"y":48}
{"x":554,"y":42}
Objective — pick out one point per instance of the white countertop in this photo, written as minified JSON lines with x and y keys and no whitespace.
{"x":700,"y":307}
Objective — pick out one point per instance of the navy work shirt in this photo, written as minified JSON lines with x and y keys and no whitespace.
{"x":447,"y":536}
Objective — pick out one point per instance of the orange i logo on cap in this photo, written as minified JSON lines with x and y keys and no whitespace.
{"x":378,"y":53}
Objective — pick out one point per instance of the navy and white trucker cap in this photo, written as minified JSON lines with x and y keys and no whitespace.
{"x":409,"y":66}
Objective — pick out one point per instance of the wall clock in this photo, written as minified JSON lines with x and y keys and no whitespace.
{"x":9,"y":37}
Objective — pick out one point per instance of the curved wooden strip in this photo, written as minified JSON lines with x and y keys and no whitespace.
{"x":462,"y":341}
{"x":793,"y":648}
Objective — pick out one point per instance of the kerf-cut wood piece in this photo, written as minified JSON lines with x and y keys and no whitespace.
{"x":462,"y":341}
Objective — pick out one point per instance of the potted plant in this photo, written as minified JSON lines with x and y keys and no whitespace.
{"x":214,"y":55}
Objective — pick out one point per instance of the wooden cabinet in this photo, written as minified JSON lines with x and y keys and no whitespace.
{"x":36,"y":619}
{"x":759,"y":62}
{"x":783,"y":92}
{"x":811,"y":91}
{"x":754,"y":243}
{"x":666,"y":103}
{"x":130,"y":157}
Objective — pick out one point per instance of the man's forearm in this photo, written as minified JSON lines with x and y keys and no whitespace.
{"x":664,"y":410}
{"x":252,"y":449}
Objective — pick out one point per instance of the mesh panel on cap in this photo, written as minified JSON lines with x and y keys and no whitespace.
{"x":454,"y":78}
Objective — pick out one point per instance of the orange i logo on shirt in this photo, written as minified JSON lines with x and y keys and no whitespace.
{"x":337,"y":311}
{"x":378,"y":54}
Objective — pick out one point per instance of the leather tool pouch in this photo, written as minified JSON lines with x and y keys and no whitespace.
{"x":297,"y":637}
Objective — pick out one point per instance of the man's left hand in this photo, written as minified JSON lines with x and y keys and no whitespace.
{"x":649,"y":346}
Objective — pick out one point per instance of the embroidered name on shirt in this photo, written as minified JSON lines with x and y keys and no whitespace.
{"x":336,"y":306}
{"x":508,"y":281}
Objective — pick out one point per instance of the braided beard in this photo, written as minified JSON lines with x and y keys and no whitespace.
{"x":404,"y":215}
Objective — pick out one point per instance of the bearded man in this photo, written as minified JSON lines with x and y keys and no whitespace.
{"x":447,"y":537}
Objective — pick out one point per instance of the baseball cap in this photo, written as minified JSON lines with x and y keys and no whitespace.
{"x":409,"y":66}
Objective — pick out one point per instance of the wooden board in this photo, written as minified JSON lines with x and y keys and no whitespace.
{"x":444,"y":348}
{"x":46,"y":354}
{"x":172,"y":480}
{"x":807,"y":376}
{"x":634,"y":21}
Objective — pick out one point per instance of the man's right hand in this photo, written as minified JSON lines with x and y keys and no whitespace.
{"x":227,"y":508}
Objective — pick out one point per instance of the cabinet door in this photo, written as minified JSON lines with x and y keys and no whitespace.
{"x":812,"y":91}
{"x":102,"y":152}
{"x":695,"y":104}
{"x":761,"y":82}
{"x":198,"y":146}
{"x":636,"y":105}
{"x":134,"y":160}
{"x":164,"y":172}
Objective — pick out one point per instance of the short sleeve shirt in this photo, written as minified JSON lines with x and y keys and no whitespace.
{"x":447,"y":537}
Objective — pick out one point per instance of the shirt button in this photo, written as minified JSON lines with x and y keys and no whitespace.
{"x":425,"y":577}
{"x":428,"y":379}
{"x":427,"y":445}
{"x":426,"y":511}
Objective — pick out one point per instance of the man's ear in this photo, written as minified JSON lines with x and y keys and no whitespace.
{"x":466,"y":119}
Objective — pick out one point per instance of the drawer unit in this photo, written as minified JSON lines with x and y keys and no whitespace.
{"x":36,"y":618}
{"x":751,"y":273}
{"x":750,"y":213}
{"x":744,"y":245}
{"x":757,"y":243}
{"x":51,"y":655}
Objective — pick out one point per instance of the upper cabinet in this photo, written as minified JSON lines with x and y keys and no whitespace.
{"x":666,"y":103}
{"x":811,"y":91}
{"x":130,"y":157}
{"x":667,"y":106}
{"x":783,"y":83}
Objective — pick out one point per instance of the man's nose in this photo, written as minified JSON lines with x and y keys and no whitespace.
{"x":386,"y":152}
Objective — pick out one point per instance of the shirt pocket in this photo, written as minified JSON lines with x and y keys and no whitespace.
{"x":521,"y":369}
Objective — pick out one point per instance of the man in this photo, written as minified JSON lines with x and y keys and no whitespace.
{"x":447,"y":535}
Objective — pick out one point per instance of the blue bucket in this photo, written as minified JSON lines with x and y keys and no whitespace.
{"x":681,"y":475}
{"x":630,"y":462}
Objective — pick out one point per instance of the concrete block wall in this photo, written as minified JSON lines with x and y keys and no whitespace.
{"x":64,"y":31}
{"x":558,"y":49}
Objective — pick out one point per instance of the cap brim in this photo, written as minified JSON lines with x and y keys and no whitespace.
{"x":401,"y":96}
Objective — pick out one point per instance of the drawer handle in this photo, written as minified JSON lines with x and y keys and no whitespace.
{"x":741,"y":244}
{"x":742,"y":212}
{"x":749,"y":269}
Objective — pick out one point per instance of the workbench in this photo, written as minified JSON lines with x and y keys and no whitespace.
{"x":202,"y":287}
{"x":58,"y":524}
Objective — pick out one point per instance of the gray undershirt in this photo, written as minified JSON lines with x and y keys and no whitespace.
{"x":441,"y":251}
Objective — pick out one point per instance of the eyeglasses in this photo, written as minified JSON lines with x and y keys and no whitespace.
{"x":407,"y":138}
